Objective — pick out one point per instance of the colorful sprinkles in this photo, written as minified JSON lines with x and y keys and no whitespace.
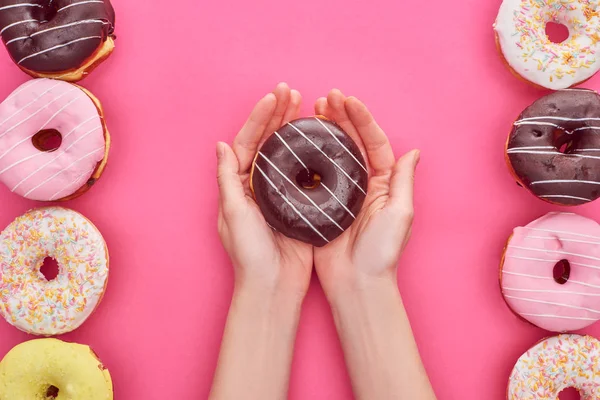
{"x":555,"y":364}
{"x":521,"y":28}
{"x":29,"y":301}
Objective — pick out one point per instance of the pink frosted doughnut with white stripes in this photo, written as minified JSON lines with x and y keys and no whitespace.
{"x":550,"y":272}
{"x":53,"y":140}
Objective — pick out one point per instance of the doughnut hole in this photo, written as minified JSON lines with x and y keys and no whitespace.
{"x":569,"y":394}
{"x":47,"y":140}
{"x":49,"y":269}
{"x":52,"y":392}
{"x":561,"y":272}
{"x":557,"y":32}
{"x":308,"y":179}
{"x":564,"y":142}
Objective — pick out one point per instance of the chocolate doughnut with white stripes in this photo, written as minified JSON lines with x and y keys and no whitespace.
{"x":60,"y":39}
{"x":310,"y":180}
{"x":553,"y":149}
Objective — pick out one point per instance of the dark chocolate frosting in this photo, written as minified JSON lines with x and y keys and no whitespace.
{"x":282,"y":172}
{"x":55,"y":35}
{"x":554,"y":147}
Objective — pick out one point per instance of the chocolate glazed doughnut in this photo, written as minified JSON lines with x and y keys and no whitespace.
{"x":61,"y":39}
{"x":310,"y":180}
{"x":554,"y":147}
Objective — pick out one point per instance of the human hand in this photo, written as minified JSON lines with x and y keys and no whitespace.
{"x":368,"y":252}
{"x":262,"y":258}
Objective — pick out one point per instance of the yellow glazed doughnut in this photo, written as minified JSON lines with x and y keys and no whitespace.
{"x":43,"y":369}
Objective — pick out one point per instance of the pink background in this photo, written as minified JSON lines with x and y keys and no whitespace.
{"x":185,"y":76}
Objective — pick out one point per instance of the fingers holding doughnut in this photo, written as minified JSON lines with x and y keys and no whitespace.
{"x":321,"y":108}
{"x":231,"y":189}
{"x":282,"y":93}
{"x":246,"y":142}
{"x":336,"y":106}
{"x":378,"y":148}
{"x":293,"y":110}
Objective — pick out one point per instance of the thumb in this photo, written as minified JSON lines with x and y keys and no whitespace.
{"x":230,"y":186}
{"x":402,"y":184}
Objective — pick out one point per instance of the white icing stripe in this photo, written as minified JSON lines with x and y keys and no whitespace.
{"x":338,"y":200}
{"x":563,"y":196}
{"x":556,"y":153}
{"x":20,"y":5}
{"x":28,"y":104}
{"x":85,"y":21}
{"x":43,"y":126}
{"x":341,"y":144}
{"x":330,"y":160}
{"x":79,"y":4}
{"x":558,"y":119}
{"x":17,"y":23}
{"x":41,"y":152}
{"x":551,"y":303}
{"x":289,"y":203}
{"x":532,"y":148}
{"x":551,"y":291}
{"x":301,"y":192}
{"x":35,"y":113}
{"x":586,"y":128}
{"x":58,"y":47}
{"x":586,"y":149}
{"x":560,"y":239}
{"x":55,"y":158}
{"x":554,"y":251}
{"x":63,"y":170}
{"x":290,"y":150}
{"x":75,"y":182}
{"x":565,"y":181}
{"x":559,"y":316}
{"x":519,"y":123}
{"x":552,"y":261}
{"x":561,"y":232}
{"x":570,"y":281}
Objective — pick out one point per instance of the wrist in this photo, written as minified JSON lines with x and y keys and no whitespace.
{"x":361,"y":289}
{"x":273,"y":301}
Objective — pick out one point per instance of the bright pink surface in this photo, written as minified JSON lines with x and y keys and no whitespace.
{"x":184,"y":76}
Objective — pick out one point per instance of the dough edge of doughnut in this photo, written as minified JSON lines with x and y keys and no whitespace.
{"x":101,"y":54}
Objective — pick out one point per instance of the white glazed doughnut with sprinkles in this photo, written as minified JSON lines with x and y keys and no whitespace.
{"x":29,"y":301}
{"x":521,"y":37}
{"x":555,"y":364}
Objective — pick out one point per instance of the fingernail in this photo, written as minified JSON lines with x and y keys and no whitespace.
{"x":220,"y":150}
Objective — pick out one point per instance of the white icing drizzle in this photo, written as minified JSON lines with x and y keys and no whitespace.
{"x":586,"y":150}
{"x":17,"y":23}
{"x":558,"y":316}
{"x":28,"y":104}
{"x":565,"y":181}
{"x":290,"y":150}
{"x":571,"y":281}
{"x":58,"y":47}
{"x":341,"y":144}
{"x":556,"y":153}
{"x":551,"y":117}
{"x":532,"y":148}
{"x":288,"y":180}
{"x":79,"y":4}
{"x":42,"y":153}
{"x":338,"y":200}
{"x":554,"y":251}
{"x":75,"y":182}
{"x":85,"y":21}
{"x":551,"y":291}
{"x":31,"y":116}
{"x":20,"y":5}
{"x":543,"y":124}
{"x":551,"y":303}
{"x":91,"y":153}
{"x":562,"y":232}
{"x":561,"y":239}
{"x":563,"y":196}
{"x":289,"y":203}
{"x":55,"y":158}
{"x":330,"y":159}
{"x":552,"y":261}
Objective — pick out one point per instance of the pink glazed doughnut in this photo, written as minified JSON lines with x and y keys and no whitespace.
{"x":550,"y":272}
{"x":555,"y":364}
{"x":53,"y":140}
